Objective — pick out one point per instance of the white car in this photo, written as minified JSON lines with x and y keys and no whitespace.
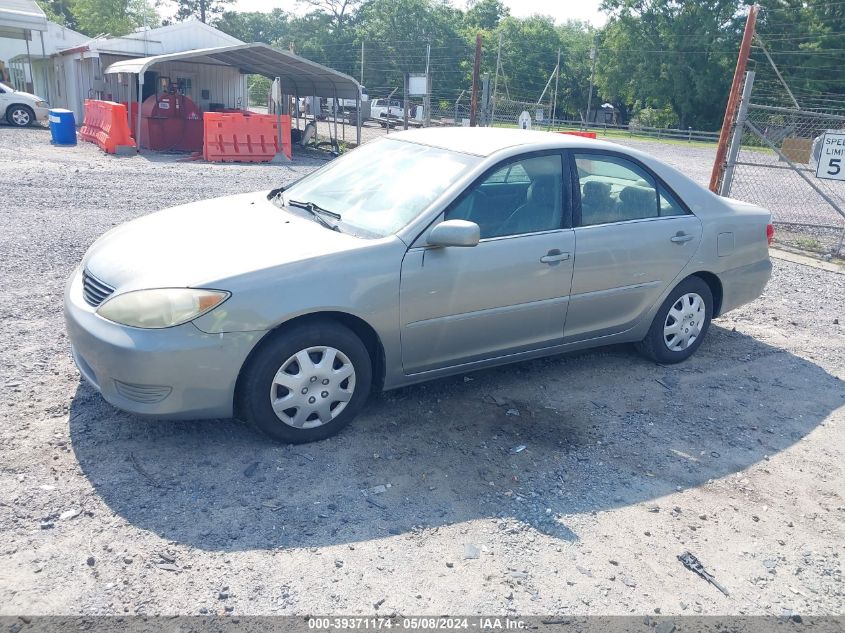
{"x":21,"y":108}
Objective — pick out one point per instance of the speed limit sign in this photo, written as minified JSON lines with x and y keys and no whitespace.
{"x":832,"y":157}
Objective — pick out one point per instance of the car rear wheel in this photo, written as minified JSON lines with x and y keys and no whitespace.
{"x":20,"y":116}
{"x":306,"y":383}
{"x":680,"y":324}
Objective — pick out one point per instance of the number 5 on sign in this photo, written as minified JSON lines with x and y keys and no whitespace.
{"x":832,"y":158}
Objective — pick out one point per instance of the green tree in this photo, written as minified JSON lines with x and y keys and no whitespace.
{"x":485,"y":14}
{"x":58,"y":11}
{"x":396,"y":34}
{"x":112,"y":17}
{"x":806,"y":41}
{"x":255,"y":26}
{"x":662,"y":52}
{"x":202,"y":10}
{"x":529,"y":54}
{"x":576,"y":39}
{"x":339,"y":11}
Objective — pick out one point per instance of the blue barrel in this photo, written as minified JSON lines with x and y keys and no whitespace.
{"x":62,"y":126}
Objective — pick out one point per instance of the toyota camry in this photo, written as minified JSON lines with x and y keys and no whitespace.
{"x":420,"y":255}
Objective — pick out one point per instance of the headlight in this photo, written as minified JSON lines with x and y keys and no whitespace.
{"x":160,"y":308}
{"x":42,"y":104}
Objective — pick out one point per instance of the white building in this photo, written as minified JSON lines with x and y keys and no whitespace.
{"x":77,"y":71}
{"x":32,"y":73}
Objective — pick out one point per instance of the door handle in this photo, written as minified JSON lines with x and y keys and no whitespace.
{"x":553,"y":256}
{"x":680,"y":238}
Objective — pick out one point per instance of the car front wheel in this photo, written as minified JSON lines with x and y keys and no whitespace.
{"x":20,"y":116}
{"x":306,"y":383}
{"x":680,"y":324}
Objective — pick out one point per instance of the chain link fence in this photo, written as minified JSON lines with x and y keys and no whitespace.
{"x":775,"y":167}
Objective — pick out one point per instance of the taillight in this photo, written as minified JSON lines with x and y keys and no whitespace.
{"x":770,"y":233}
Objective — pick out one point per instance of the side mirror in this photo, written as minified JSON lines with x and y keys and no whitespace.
{"x":455,"y":233}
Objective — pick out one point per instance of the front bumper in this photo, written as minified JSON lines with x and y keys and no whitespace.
{"x":179,"y":372}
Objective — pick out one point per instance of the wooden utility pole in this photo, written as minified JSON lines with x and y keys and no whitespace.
{"x":733,"y":99}
{"x":476,"y":81}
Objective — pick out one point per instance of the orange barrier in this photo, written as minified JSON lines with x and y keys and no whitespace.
{"x":105,"y":124}
{"x":244,"y":137}
{"x":582,"y":134}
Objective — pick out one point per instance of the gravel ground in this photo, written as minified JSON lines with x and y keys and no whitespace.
{"x":425,"y":505}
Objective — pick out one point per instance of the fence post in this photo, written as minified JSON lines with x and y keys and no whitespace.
{"x":736,"y":136}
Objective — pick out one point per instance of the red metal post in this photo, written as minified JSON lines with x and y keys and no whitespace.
{"x":733,"y":99}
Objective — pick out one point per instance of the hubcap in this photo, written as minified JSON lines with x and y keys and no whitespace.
{"x":312,"y":387}
{"x":684,"y":322}
{"x":20,"y":117}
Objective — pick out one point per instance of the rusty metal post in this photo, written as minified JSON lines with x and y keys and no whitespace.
{"x":736,"y":136}
{"x":733,"y":99}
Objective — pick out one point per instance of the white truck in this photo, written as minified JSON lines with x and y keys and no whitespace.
{"x":383,"y":112}
{"x":348,"y":104}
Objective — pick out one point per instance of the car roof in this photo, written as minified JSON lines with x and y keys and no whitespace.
{"x":485,"y":141}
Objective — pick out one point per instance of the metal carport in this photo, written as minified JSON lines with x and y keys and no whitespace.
{"x":307,"y":78}
{"x":18,"y":18}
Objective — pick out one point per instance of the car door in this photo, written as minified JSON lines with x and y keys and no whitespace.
{"x":4,"y":102}
{"x":633,"y":237}
{"x":507,"y":294}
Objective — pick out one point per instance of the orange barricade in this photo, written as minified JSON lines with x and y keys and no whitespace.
{"x":584,"y":134}
{"x":105,"y":124}
{"x":244,"y":137}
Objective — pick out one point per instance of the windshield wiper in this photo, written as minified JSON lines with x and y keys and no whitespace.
{"x":275,"y":193}
{"x":317,"y":212}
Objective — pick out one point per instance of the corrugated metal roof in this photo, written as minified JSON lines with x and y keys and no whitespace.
{"x":299,"y":75}
{"x":22,"y":14}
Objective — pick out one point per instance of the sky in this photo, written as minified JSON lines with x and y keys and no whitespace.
{"x":560,"y":10}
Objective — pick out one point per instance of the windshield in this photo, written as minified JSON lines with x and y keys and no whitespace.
{"x":383,"y":185}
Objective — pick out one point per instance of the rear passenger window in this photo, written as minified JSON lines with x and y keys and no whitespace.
{"x":616,"y":190}
{"x":669,"y":204}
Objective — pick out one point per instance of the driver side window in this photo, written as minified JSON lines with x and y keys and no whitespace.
{"x":524,"y":196}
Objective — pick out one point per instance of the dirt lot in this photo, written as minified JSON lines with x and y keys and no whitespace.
{"x":423,"y":506}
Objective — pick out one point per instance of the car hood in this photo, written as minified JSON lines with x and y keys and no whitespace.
{"x":205,"y":242}
{"x":27,"y":95}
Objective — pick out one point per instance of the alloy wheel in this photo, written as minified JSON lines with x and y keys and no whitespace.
{"x":21,"y":117}
{"x":312,"y":387}
{"x":684,"y":322}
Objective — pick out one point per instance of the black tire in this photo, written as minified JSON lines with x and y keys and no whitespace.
{"x":11,"y":115}
{"x":254,"y":388}
{"x":654,"y":345}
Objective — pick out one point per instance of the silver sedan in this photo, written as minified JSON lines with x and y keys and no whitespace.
{"x":426,"y":254}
